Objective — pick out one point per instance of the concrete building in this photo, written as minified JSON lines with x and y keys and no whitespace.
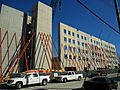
{"x":78,"y":50}
{"x":11,"y":20}
{"x":18,"y":22}
{"x":42,"y":22}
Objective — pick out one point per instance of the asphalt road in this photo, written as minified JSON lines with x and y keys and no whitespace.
{"x":72,"y":85}
{"x":58,"y":86}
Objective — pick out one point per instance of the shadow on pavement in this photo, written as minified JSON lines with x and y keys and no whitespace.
{"x":61,"y":89}
{"x":5,"y":87}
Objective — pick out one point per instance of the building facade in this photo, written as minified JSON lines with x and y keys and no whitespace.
{"x":78,"y":50}
{"x":42,"y":25}
{"x":15,"y":21}
{"x":11,"y":20}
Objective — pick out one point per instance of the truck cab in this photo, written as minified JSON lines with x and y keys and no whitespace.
{"x":69,"y":75}
{"x":20,"y":79}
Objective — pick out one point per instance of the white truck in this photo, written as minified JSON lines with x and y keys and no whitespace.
{"x":20,"y":79}
{"x":70,"y":75}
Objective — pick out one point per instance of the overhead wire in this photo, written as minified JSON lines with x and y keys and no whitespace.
{"x":98,"y":17}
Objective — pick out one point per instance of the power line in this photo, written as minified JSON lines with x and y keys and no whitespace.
{"x":117,"y":12}
{"x":98,"y":17}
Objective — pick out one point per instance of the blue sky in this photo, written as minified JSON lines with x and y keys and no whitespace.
{"x":77,"y":16}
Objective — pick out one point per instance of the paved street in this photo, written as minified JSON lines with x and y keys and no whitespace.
{"x":72,"y":85}
{"x":58,"y":86}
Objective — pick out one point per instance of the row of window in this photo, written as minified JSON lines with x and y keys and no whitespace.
{"x":73,"y":57}
{"x":69,"y":40}
{"x":73,"y":42}
{"x":73,"y":49}
{"x":100,"y":44}
{"x":96,"y":42}
{"x":81,"y":58}
{"x":78,"y":50}
{"x":73,"y":34}
{"x":83,"y":38}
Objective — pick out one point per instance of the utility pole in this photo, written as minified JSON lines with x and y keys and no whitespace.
{"x":117,"y":12}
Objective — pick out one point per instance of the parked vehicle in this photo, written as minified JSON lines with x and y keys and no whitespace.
{"x":21,"y":79}
{"x":70,"y":75}
{"x":93,"y":75}
{"x":100,"y":83}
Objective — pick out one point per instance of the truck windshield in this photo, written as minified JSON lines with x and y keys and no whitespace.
{"x":17,"y":75}
{"x":63,"y":73}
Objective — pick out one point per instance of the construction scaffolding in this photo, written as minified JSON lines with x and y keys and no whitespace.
{"x":45,"y":46}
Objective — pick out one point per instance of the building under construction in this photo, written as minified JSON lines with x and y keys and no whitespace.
{"x":26,"y":43}
{"x":80,"y":50}
{"x":18,"y":29}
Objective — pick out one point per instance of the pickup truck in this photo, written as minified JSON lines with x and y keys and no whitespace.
{"x":70,"y":75}
{"x":20,"y":79}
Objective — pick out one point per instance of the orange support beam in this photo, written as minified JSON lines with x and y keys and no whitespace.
{"x":43,"y":36}
{"x":37,"y":46}
{"x":17,"y":48}
{"x":8,"y":54}
{"x":53,"y":46}
{"x":22,"y":52}
{"x":49,"y":49}
{"x":26,"y":61}
{"x":8,"y":46}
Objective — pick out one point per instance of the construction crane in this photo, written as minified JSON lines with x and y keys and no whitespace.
{"x":54,"y":4}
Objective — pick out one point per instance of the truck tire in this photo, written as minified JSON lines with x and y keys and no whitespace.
{"x":64,"y":80}
{"x":79,"y":78}
{"x":18,"y":85}
{"x":44,"y":82}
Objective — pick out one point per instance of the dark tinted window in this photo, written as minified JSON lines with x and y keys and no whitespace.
{"x":73,"y":34}
{"x":65,"y":39}
{"x":65,"y":47}
{"x":81,"y":37}
{"x":108,"y":79}
{"x":70,"y":56}
{"x":77,"y":35}
{"x":99,"y":79}
{"x":35,"y":75}
{"x":69,"y":40}
{"x":28,"y":75}
{"x":69,"y":73}
{"x":78,"y":43}
{"x":17,"y":75}
{"x":65,"y":31}
{"x":69,"y":33}
{"x":44,"y":74}
{"x":65,"y":56}
{"x":73,"y":41}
